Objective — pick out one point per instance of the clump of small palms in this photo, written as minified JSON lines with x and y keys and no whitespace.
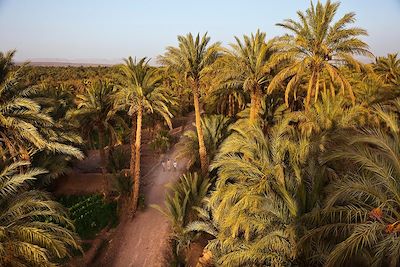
{"x":215,"y":129}
{"x":34,"y":230}
{"x":360,"y":222}
{"x":317,"y":50}
{"x":180,"y":204}
{"x":260,"y":191}
{"x":388,"y":69}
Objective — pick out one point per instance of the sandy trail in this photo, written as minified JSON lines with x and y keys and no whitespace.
{"x":143,"y":241}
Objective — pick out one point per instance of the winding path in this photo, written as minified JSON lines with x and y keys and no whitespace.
{"x":143,"y":241}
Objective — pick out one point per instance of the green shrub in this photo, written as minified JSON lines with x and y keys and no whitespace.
{"x":90,"y":214}
{"x":118,"y":159}
{"x":123,"y":183}
{"x":162,"y":141}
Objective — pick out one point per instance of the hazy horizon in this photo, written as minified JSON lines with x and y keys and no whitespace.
{"x":104,"y":32}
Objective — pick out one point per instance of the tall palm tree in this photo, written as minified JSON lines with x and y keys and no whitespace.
{"x":24,"y":125}
{"x":34,"y":230}
{"x":249,"y":65}
{"x":317,"y":50}
{"x":360,"y":222}
{"x":141,"y":93}
{"x":96,"y":110}
{"x":192,"y":59}
{"x":388,"y":69}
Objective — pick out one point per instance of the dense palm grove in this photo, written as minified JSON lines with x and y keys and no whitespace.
{"x":294,"y":159}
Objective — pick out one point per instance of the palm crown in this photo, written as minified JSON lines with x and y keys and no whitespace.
{"x":318,"y":48}
{"x":249,"y":65}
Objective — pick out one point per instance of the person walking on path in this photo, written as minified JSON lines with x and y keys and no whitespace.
{"x":163,"y":165}
{"x":175,"y":164}
{"x":168,"y":164}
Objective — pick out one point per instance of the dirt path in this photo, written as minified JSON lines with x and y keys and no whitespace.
{"x":143,"y":241}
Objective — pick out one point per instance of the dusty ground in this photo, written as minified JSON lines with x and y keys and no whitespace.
{"x":143,"y":241}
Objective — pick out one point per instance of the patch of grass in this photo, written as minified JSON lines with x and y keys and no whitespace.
{"x":90,"y":214}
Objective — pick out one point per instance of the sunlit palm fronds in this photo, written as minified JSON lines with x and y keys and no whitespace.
{"x":34,"y":230}
{"x":388,"y":69}
{"x":360,"y":221}
{"x":317,"y":49}
{"x":256,"y":198}
{"x":25,"y":126}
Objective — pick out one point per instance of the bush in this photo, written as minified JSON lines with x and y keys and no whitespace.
{"x":162,"y":142}
{"x":90,"y":214}
{"x":118,"y":159}
{"x":123,"y":183}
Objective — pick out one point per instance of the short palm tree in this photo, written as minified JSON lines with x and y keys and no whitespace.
{"x":249,"y":65}
{"x":317,"y":50}
{"x":388,"y":69}
{"x":186,"y":194}
{"x":96,"y":110}
{"x":360,"y":222}
{"x":215,"y":129}
{"x":24,"y":125}
{"x":141,"y":93}
{"x":192,"y":59}
{"x":34,"y":230}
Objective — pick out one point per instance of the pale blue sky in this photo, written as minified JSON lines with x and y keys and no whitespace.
{"x":97,"y":30}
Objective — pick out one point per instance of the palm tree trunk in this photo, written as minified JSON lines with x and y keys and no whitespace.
{"x":309,"y":90}
{"x":133,"y":138}
{"x":103,"y":161}
{"x":230,"y":104}
{"x":199,"y":128}
{"x":255,"y":105}
{"x":136,"y":174}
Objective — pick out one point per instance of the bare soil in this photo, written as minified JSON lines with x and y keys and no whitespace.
{"x":144,"y":240}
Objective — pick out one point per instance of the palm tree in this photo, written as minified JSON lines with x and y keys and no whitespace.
{"x":249,"y":65}
{"x":317,"y":50}
{"x":388,"y":69}
{"x":192,"y":59}
{"x":96,"y":110}
{"x":24,"y":125}
{"x":215,"y":129}
{"x":35,"y":230}
{"x":141,"y":93}
{"x":180,"y":204}
{"x":360,"y":222}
